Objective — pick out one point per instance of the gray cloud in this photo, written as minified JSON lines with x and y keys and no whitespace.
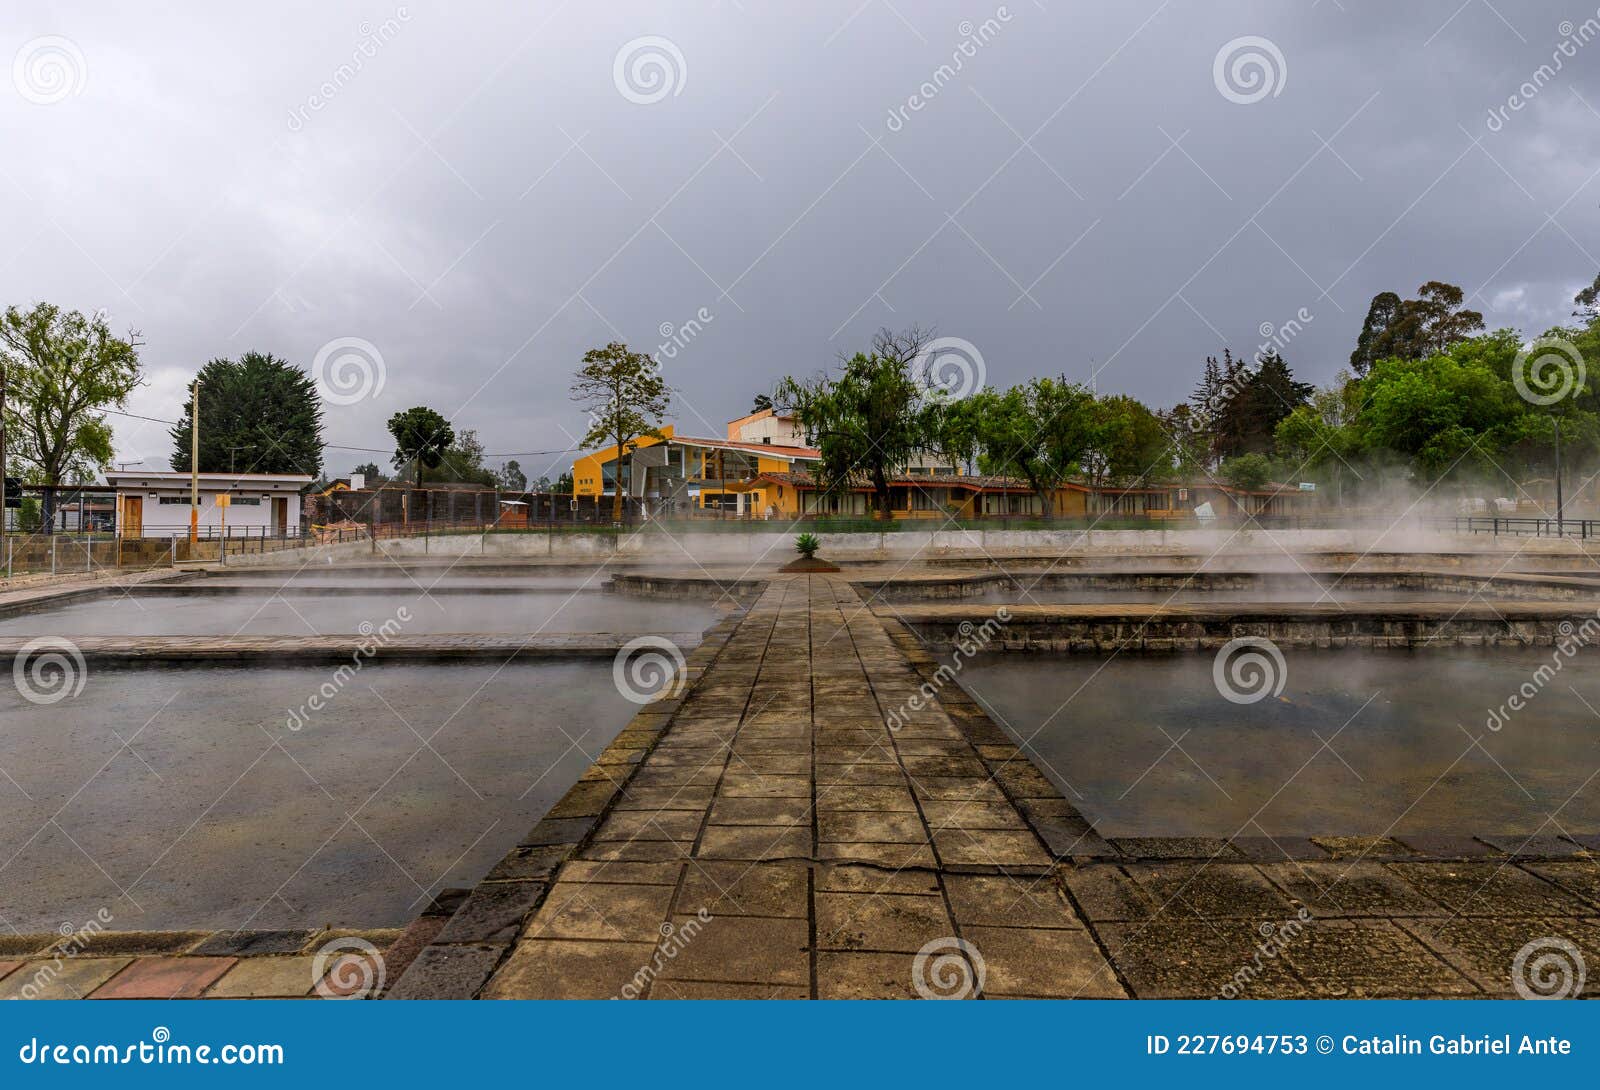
{"x":465,"y":186}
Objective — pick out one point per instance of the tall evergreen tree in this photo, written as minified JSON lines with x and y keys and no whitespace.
{"x":260,"y":414}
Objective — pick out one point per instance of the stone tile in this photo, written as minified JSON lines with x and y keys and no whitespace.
{"x":6,"y":967}
{"x":1004,"y":901}
{"x":884,"y":828}
{"x":745,"y":811}
{"x":750,"y":785}
{"x":958,"y":789}
{"x":114,"y":943}
{"x":493,"y":913}
{"x":1526,"y":846}
{"x":1485,"y":950}
{"x":863,"y":774}
{"x":695,"y":989}
{"x":75,"y":978}
{"x":1174,"y":847}
{"x":1437,"y":846}
{"x":1043,"y":963}
{"x":864,"y":976}
{"x":617,"y":913}
{"x":637,"y":851}
{"x":665,"y":798}
{"x":1363,"y":847}
{"x":848,"y":879}
{"x":1489,"y":889}
{"x":621,"y":873}
{"x":739,"y":889}
{"x":755,"y":842}
{"x":772,"y":764}
{"x":266,"y":978}
{"x":882,"y":922}
{"x":447,"y":972}
{"x":747,"y":949}
{"x":651,"y":825}
{"x":1169,"y":958}
{"x":988,"y":847}
{"x":971,"y":815}
{"x":397,"y":956}
{"x":165,"y":978}
{"x":1350,"y":889}
{"x":1279,"y":849}
{"x":895,"y":856}
{"x":1369,"y":959}
{"x":883,"y":799}
{"x":242,"y":943}
{"x":1210,"y":891}
{"x":555,"y":969}
{"x":1579,"y":878}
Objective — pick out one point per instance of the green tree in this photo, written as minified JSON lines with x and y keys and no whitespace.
{"x":1413,"y":328}
{"x":1319,"y":438}
{"x":1250,"y":472}
{"x":371,"y":472}
{"x":1037,"y":432}
{"x":421,"y":436}
{"x":260,"y":414}
{"x":1128,"y":445}
{"x":626,"y":398}
{"x":61,"y":370}
{"x":461,"y":462}
{"x":511,"y":478}
{"x":762,"y":403}
{"x":870,"y":418}
{"x":1588,"y":302}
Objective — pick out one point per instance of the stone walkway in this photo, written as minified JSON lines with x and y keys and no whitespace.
{"x":761,"y":832}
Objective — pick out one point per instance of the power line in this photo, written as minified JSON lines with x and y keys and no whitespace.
{"x":364,"y":450}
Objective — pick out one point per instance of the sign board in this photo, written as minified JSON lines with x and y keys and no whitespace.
{"x":224,"y":500}
{"x":1308,"y":486}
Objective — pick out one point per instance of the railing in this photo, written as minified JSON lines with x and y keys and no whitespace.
{"x":1520,"y":526}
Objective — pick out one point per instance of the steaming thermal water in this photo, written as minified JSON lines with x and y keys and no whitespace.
{"x":1145,"y":746}
{"x":205,"y":823}
{"x":1145,"y":596}
{"x":267,"y":615}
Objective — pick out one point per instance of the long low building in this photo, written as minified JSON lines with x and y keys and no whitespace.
{"x":156,"y":503}
{"x":762,"y":469}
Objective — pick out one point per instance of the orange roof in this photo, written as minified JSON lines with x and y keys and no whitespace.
{"x":770,"y":449}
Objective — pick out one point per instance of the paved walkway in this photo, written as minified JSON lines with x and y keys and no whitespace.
{"x":762,"y":833}
{"x":780,"y":841}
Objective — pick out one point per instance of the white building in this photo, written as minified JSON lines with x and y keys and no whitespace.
{"x":156,"y":504}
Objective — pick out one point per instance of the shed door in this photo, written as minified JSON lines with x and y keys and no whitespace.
{"x":280,"y":514}
{"x":133,"y":516}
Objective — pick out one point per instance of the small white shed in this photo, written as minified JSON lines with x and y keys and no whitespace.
{"x":156,"y":504}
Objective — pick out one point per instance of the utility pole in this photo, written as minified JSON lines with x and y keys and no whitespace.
{"x":194,"y":467}
{"x":1560,"y":527}
{"x":3,"y":496}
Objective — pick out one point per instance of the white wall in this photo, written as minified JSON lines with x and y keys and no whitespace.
{"x":163,"y":518}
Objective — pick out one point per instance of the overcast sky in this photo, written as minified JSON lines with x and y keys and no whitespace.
{"x":482,"y":191}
